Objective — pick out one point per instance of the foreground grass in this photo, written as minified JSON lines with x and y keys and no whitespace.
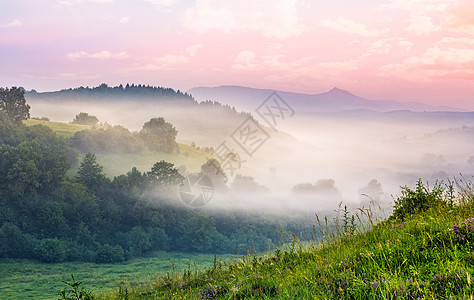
{"x":23,"y":279}
{"x":428,"y":255}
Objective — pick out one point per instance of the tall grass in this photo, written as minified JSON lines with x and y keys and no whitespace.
{"x":426,"y":252}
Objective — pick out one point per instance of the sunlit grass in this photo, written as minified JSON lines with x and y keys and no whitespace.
{"x":65,"y":130}
{"x":120,"y":163}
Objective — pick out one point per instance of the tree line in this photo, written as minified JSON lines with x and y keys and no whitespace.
{"x":116,"y":92}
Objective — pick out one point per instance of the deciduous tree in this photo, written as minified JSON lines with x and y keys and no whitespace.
{"x":13,"y":103}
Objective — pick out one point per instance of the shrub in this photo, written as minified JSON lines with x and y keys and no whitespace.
{"x":418,"y":200}
{"x":85,"y":119}
{"x":15,"y":244}
{"x":109,"y":254}
{"x":50,"y":250}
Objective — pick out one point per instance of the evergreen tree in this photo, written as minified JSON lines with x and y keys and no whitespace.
{"x":90,"y":172}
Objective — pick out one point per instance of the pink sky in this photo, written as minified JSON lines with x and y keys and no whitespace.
{"x":419,"y":50}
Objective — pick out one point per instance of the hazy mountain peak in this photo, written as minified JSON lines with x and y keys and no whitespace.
{"x":336,"y":99}
{"x":337,"y":92}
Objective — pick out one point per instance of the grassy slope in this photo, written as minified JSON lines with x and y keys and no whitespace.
{"x":419,"y":258}
{"x":119,"y":163}
{"x":65,"y":130}
{"x":23,"y":279}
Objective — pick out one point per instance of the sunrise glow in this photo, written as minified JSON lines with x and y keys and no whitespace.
{"x":408,"y":50}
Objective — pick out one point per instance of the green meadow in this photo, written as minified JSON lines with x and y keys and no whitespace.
{"x":25,"y":279}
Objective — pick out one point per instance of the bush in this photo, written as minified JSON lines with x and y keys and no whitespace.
{"x":109,"y":254}
{"x":85,"y":119}
{"x":15,"y":244}
{"x":115,"y":139}
{"x":418,"y":200}
{"x":50,"y":250}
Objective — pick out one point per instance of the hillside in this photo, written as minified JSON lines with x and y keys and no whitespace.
{"x":120,"y":163}
{"x":65,"y":130}
{"x":424,"y":251}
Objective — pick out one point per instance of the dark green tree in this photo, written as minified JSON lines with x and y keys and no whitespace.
{"x":85,"y":119}
{"x":90,"y":172}
{"x":13,"y":103}
{"x":159,"y":135}
{"x":165,"y":174}
{"x":10,"y":132}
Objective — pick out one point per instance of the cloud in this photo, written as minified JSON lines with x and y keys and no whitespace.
{"x":168,"y":61}
{"x":74,"y":76}
{"x":192,"y":50}
{"x":245,"y":60}
{"x":12,"y":24}
{"x":161,"y":3}
{"x":347,"y":26}
{"x":422,"y":25}
{"x":425,"y":16}
{"x":124,"y":20}
{"x":282,"y":69}
{"x":104,"y":55}
{"x":462,"y":17}
{"x":165,"y":62}
{"x":73,"y":2}
{"x":435,"y":63}
{"x":450,"y":40}
{"x":205,"y":16}
{"x":171,"y":59}
{"x":277,"y":19}
{"x":386,"y":45}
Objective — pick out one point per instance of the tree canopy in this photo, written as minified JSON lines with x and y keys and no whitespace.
{"x":159,"y":135}
{"x":13,"y":103}
{"x":85,"y":119}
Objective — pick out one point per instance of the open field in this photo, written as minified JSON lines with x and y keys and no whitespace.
{"x":23,"y":279}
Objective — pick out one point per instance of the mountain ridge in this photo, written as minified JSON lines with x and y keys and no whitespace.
{"x":336,"y":99}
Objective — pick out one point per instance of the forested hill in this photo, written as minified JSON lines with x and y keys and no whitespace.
{"x":132,"y":105}
{"x":104,"y":91}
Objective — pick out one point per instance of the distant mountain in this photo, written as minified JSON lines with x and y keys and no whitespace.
{"x":335,"y":100}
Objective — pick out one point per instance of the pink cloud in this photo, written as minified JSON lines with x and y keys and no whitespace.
{"x":192,"y":50}
{"x":276,"y":19}
{"x":349,"y":27}
{"x":280,"y":68}
{"x":104,"y":55}
{"x":434,"y":63}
